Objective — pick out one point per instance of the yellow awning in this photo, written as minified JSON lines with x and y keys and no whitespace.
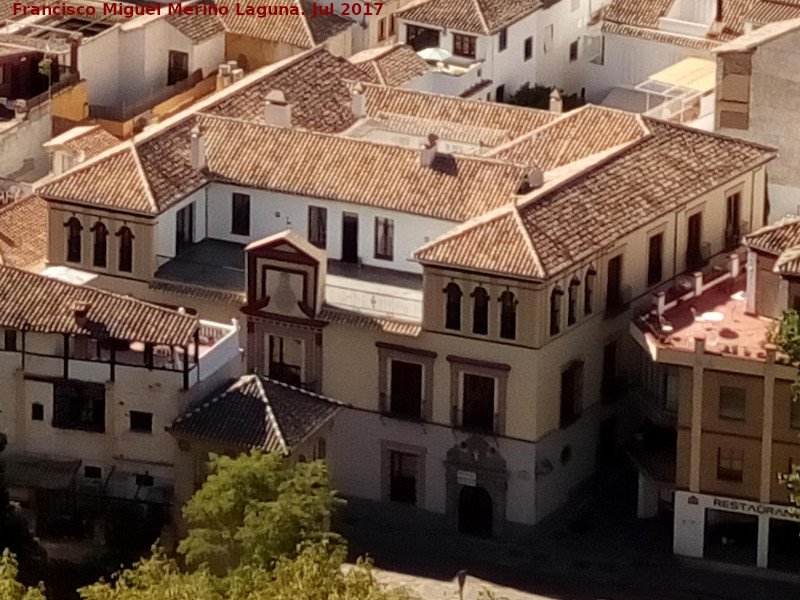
{"x":698,"y":74}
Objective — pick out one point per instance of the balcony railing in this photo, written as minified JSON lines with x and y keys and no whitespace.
{"x":374,"y":303}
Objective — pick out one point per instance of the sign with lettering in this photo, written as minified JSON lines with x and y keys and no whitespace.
{"x":756,"y":508}
{"x":469,"y":478}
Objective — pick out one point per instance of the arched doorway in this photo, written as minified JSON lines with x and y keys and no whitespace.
{"x":475,"y":511}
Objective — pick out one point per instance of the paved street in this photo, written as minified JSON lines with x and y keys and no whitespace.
{"x":593,"y":549}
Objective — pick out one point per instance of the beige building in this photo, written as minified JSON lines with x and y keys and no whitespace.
{"x":467,"y":301}
{"x":92,"y":380}
{"x":757,"y":86}
{"x":711,"y":374}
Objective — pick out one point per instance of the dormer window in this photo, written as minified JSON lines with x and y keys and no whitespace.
{"x":555,"y":311}
{"x":453,"y":306}
{"x":508,"y":315}
{"x":480,"y":311}
{"x":74,"y":229}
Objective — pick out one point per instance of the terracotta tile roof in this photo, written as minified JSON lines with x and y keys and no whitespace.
{"x":313,"y":84}
{"x":37,"y":303}
{"x":340,"y":316}
{"x":572,"y":220}
{"x":38,"y":471}
{"x":576,"y":135}
{"x":515,"y":120}
{"x":113,"y":177}
{"x":497,"y":245}
{"x":7,"y":7}
{"x":769,"y":11}
{"x":197,"y":28}
{"x":256,"y":412}
{"x":788,"y":263}
{"x":334,"y":169}
{"x":659,"y":36}
{"x":776,"y":238}
{"x":764,"y":34}
{"x":91,"y":142}
{"x":640,"y":18}
{"x":638,"y":13}
{"x":393,"y":66}
{"x":299,"y":29}
{"x":474,"y":16}
{"x":23,"y":232}
{"x":200,"y":292}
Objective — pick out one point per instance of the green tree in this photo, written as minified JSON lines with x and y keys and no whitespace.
{"x":256,"y":508}
{"x":10,"y":588}
{"x":262,"y":523}
{"x":786,"y":335}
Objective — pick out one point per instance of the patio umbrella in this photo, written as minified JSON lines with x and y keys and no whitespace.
{"x":435,"y":54}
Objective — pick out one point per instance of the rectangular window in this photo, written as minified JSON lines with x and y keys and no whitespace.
{"x":573,"y":51}
{"x":571,"y":391}
{"x":732,"y":223}
{"x":144,"y":480}
{"x":794,"y":414}
{"x":502,"y":41}
{"x":403,"y":475}
{"x":382,"y":29}
{"x":384,"y":238}
{"x":549,"y":35}
{"x":79,"y":405}
{"x":500,"y":93}
{"x":478,"y":402}
{"x":10,"y":340}
{"x":392,"y":25}
{"x":732,"y":403}
{"x":240,"y":214}
{"x":286,"y":360}
{"x":528,"y":48}
{"x":464,"y":45}
{"x":655,"y":259}
{"x":730,"y":464}
{"x":141,"y":422}
{"x":614,"y":284}
{"x":37,"y":412}
{"x":694,"y":242}
{"x":318,"y":226}
{"x":405,"y":389}
{"x":178,"y":67}
{"x":90,"y":472}
{"x":420,"y":38}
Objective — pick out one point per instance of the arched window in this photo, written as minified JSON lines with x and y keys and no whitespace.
{"x":100,"y":244}
{"x":480,"y":311}
{"x":555,"y":311}
{"x":588,"y":290}
{"x":125,"y":249}
{"x":572,"y":301}
{"x":453,"y":308}
{"x":74,"y":229}
{"x":508,"y":315}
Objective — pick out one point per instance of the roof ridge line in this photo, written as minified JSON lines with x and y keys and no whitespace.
{"x":143,"y":176}
{"x":529,"y":243}
{"x":271,"y":415}
{"x":306,"y":26}
{"x":482,"y":17}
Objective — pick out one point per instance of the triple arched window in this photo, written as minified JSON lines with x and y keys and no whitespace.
{"x":100,"y":235}
{"x":480,"y":311}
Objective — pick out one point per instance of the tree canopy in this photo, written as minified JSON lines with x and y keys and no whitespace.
{"x":257,"y":531}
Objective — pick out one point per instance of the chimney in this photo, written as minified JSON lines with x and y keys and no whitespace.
{"x":428,"y":151}
{"x":80,"y":310}
{"x":236,"y":75}
{"x":358,"y":101}
{"x":198,"y":149}
{"x":720,"y":14}
{"x":556,"y":103}
{"x":224,"y":76}
{"x":531,"y":180}
{"x":277,"y":112}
